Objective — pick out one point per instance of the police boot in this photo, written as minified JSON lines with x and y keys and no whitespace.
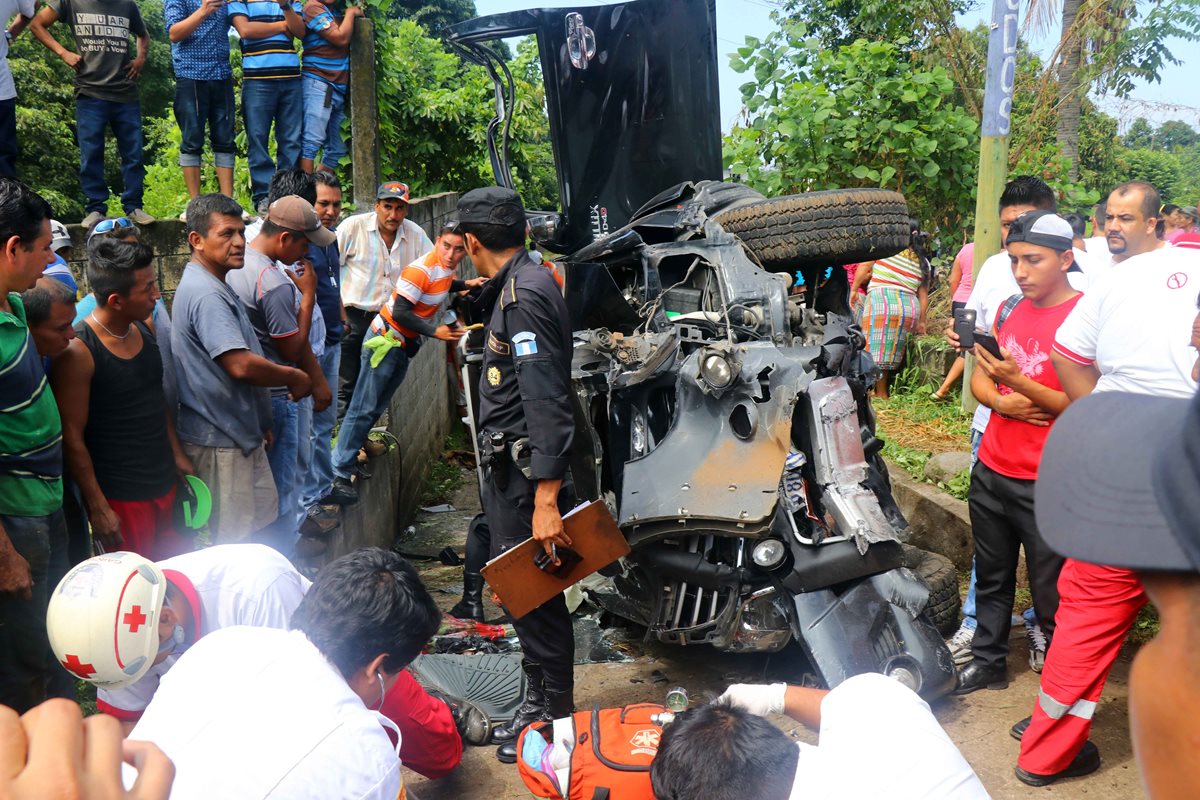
{"x":558,"y":704}
{"x":532,"y":710}
{"x":471,"y":605}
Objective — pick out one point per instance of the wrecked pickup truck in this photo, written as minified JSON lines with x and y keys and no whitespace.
{"x":721,"y":407}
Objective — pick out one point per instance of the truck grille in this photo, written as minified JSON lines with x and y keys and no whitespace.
{"x":689,"y":613}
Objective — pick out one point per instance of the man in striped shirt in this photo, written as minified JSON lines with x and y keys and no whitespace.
{"x":270,"y":85}
{"x":375,"y":247}
{"x":393,"y":340}
{"x":33,"y":534}
{"x":325,"y":77}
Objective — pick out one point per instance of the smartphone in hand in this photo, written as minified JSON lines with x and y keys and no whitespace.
{"x":989,"y":343}
{"x":964,"y":327}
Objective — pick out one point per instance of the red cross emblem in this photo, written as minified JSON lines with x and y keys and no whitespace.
{"x":134,"y":619}
{"x":75,"y":667}
{"x":1177,"y":280}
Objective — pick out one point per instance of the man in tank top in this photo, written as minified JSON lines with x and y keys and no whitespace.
{"x":118,"y":435}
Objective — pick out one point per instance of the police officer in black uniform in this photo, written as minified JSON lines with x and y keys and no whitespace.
{"x":526,"y":427}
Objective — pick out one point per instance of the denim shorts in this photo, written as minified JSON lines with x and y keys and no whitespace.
{"x":198,"y":103}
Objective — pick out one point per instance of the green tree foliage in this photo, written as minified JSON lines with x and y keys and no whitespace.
{"x":1156,"y":167}
{"x":1140,"y":133}
{"x":434,"y":15}
{"x":857,"y":115}
{"x":434,"y":112}
{"x":1174,"y":134}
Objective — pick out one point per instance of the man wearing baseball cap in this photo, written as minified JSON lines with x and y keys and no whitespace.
{"x":1136,"y":512}
{"x":1001,"y":494}
{"x":280,"y":306}
{"x":526,"y":421}
{"x":376,"y":247}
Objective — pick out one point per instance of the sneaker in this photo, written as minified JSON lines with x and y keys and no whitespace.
{"x":960,"y":644}
{"x":248,"y":217}
{"x":1037,"y":644}
{"x":140,"y":217}
{"x":318,"y":522}
{"x":91,"y":219}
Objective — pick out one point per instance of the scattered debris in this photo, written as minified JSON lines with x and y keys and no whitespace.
{"x":444,"y":508}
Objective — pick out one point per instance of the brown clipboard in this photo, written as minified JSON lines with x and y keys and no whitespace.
{"x":522,"y":586}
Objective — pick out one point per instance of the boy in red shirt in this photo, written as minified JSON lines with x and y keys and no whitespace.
{"x":1001,"y":494}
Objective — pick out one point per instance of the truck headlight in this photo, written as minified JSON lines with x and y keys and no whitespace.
{"x":715,"y":370}
{"x":768,"y":553}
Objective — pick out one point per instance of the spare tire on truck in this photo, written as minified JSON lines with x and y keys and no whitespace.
{"x":938,"y":573}
{"x":822,"y":229}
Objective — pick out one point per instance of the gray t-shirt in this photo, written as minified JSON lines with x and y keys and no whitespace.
{"x":214,"y":409}
{"x":102,"y":29}
{"x":270,"y":299}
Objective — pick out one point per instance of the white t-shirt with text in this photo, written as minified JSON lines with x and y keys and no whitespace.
{"x":1135,"y":325}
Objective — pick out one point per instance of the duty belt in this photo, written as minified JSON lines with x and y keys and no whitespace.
{"x":499,"y":451}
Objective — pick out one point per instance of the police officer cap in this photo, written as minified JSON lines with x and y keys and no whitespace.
{"x":491,"y":205}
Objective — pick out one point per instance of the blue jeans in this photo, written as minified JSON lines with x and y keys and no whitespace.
{"x":968,"y":607}
{"x":324,"y":106}
{"x":320,"y":474}
{"x":282,"y":533}
{"x":265,"y":102}
{"x":92,"y":118}
{"x":29,"y":672}
{"x":198,"y":103}
{"x":372,"y":393}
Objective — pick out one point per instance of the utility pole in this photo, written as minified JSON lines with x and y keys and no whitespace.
{"x":364,"y":115}
{"x":993,"y":146}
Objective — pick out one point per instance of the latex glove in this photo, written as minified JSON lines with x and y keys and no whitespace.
{"x":757,"y":698}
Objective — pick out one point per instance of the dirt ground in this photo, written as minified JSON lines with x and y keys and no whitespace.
{"x":978,"y":723}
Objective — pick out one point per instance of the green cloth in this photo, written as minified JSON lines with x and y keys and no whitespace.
{"x":30,"y":429}
{"x":380,"y":346}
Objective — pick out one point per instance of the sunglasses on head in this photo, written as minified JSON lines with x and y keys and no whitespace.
{"x":109,"y":225}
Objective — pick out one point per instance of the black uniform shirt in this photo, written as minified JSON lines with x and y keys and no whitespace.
{"x":523,"y":390}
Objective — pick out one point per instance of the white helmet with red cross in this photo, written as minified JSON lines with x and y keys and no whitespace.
{"x":103,"y":618}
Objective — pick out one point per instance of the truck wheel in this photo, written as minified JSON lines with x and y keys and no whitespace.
{"x":938,"y":573}
{"x":821,"y":229}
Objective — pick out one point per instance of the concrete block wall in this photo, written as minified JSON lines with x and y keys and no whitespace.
{"x":419,"y":417}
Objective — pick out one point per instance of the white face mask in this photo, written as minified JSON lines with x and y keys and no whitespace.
{"x":382,"y":691}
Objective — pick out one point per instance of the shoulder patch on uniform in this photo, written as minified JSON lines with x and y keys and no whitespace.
{"x":524,"y":343}
{"x":493,"y":376}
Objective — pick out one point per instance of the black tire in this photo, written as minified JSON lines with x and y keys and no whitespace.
{"x":821,"y":229}
{"x":938,"y":573}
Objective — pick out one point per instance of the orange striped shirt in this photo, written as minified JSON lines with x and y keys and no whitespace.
{"x":425,"y":283}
